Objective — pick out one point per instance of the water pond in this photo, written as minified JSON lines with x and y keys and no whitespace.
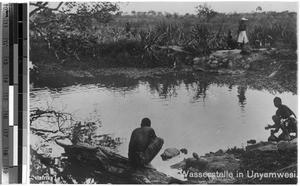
{"x":187,"y":111}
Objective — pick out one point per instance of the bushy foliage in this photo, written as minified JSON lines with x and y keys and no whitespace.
{"x":68,"y":34}
{"x":274,"y":35}
{"x":95,"y":36}
{"x":207,"y":12}
{"x":46,"y":121}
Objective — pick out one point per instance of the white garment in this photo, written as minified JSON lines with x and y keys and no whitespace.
{"x":243,"y":37}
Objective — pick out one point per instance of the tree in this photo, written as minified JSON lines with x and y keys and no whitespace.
{"x":176,"y":15}
{"x":259,"y":9}
{"x":119,"y":14}
{"x":40,"y":6}
{"x":205,"y":11}
{"x":151,"y":13}
{"x":168,"y":15}
{"x":102,"y":11}
{"x":141,"y":14}
{"x":67,"y":30}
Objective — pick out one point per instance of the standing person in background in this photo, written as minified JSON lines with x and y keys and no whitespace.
{"x":242,"y":36}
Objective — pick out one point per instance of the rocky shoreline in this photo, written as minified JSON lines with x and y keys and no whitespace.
{"x":272,"y":70}
{"x":263,"y":162}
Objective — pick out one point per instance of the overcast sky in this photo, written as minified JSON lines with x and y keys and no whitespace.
{"x":183,"y":7}
{"x":223,"y":6}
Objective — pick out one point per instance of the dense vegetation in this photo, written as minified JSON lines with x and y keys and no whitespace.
{"x":88,"y":35}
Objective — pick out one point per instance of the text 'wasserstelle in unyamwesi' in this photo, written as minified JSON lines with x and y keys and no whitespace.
{"x":232,"y":175}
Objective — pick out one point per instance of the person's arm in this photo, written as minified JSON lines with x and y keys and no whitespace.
{"x":131,"y":145}
{"x":293,"y":113}
{"x":279,"y":113}
{"x":276,"y":126}
{"x":239,"y":28}
{"x":152,"y":134}
{"x":133,"y":142}
{"x":276,"y":129}
{"x":273,"y":126}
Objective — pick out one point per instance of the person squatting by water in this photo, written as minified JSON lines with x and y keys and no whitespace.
{"x":284,"y":119}
{"x":242,"y":36}
{"x":144,"y":145}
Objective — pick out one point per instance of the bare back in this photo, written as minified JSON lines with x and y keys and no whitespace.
{"x":140,"y":139}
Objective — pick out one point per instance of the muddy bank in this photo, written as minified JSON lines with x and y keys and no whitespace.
{"x":272,"y":70}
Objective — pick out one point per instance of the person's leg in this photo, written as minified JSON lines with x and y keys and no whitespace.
{"x":246,"y":40}
{"x":296,"y":136}
{"x":240,"y":40}
{"x":292,"y":125}
{"x":284,"y":135}
{"x":272,"y":136}
{"x":242,"y":45}
{"x":152,"y":150}
{"x":136,"y":159}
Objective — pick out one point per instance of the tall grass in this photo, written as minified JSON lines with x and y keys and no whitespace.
{"x":141,"y":46}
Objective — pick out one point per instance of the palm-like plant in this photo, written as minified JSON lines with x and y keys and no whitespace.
{"x":200,"y":38}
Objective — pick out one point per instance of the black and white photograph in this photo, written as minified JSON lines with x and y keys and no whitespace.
{"x":169,"y":92}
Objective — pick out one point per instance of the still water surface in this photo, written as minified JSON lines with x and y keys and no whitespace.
{"x":187,"y":112}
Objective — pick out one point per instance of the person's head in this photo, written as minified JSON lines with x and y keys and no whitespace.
{"x":277,"y":102}
{"x":146,"y":122}
{"x":244,"y":19}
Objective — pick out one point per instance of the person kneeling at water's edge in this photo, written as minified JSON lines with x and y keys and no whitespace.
{"x":284,"y":119}
{"x":144,"y":145}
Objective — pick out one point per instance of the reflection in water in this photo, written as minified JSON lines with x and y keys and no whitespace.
{"x":61,"y":81}
{"x":165,"y":85}
{"x":188,"y":111}
{"x":241,"y":95}
{"x":201,"y":90}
